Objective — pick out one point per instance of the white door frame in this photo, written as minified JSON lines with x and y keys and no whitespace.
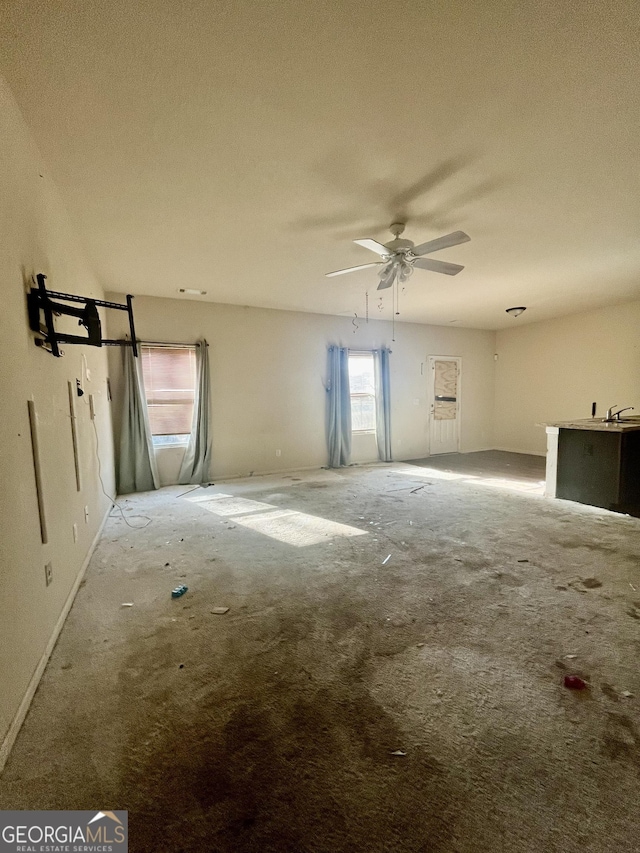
{"x":430,"y":393}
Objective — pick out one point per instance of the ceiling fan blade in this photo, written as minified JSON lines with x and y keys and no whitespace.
{"x":353,"y":269}
{"x":368,"y":243}
{"x":438,"y":266}
{"x":452,"y":239}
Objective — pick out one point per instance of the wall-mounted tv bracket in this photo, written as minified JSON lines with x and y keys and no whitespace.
{"x":40,"y":300}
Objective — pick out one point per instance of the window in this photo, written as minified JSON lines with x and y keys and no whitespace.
{"x":363,"y":392}
{"x":169,"y":382}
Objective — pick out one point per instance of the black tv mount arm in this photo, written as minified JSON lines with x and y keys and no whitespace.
{"x":39,"y":299}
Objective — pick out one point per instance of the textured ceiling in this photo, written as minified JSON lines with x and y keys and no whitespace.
{"x":239,"y":147}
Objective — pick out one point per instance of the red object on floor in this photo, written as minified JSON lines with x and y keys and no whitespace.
{"x":573,"y":682}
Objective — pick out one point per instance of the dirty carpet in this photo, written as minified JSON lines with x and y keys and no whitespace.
{"x":389,"y":675}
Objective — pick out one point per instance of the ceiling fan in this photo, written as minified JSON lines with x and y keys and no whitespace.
{"x":400,"y":257}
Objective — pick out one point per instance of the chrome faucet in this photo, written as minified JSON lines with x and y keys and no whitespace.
{"x":615,"y":416}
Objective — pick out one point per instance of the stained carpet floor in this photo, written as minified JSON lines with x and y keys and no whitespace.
{"x":277,"y":726}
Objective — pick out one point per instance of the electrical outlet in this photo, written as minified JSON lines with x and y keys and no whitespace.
{"x":86,"y":515}
{"x":278,"y":453}
{"x":75,"y":532}
{"x":48,"y":573}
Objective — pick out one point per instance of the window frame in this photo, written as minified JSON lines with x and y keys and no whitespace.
{"x":364,"y":354}
{"x":169,"y":440}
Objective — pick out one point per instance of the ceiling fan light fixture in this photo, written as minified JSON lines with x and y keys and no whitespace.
{"x":399,"y":256}
{"x":517,"y":311}
{"x":405,"y":271}
{"x":387,"y":269}
{"x":386,"y":281}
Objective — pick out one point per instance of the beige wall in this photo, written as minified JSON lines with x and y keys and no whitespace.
{"x":36,"y":237}
{"x":556,"y":369}
{"x":268,"y":370}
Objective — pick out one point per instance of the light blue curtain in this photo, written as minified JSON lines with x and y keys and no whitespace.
{"x":383,"y":403}
{"x":137,"y":470}
{"x":338,"y":407}
{"x":197,"y":458}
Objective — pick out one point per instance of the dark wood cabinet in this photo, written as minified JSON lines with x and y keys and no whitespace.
{"x":600,"y":468}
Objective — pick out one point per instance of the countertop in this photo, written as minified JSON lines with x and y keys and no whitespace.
{"x":623,"y":425}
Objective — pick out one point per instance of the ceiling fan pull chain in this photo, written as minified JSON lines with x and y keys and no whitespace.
{"x":393,"y":316}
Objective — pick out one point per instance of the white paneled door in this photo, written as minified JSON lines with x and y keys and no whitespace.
{"x":444,"y":404}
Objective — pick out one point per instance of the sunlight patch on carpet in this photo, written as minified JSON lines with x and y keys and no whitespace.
{"x":285,"y":525}
{"x":227,"y":505}
{"x":435,"y":474}
{"x":297,"y":528}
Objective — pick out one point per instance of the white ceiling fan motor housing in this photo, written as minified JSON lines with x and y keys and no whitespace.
{"x":399,"y":245}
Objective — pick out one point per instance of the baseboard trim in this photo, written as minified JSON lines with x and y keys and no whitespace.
{"x":477,"y":450}
{"x":23,"y":709}
{"x":254,"y":475}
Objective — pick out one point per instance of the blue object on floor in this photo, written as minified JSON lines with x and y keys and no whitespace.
{"x":178,"y":591}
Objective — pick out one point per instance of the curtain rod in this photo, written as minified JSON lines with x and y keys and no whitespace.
{"x":169,"y":344}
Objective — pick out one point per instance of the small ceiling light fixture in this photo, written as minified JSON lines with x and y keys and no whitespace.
{"x":191,"y":291}
{"x":516,"y":312}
